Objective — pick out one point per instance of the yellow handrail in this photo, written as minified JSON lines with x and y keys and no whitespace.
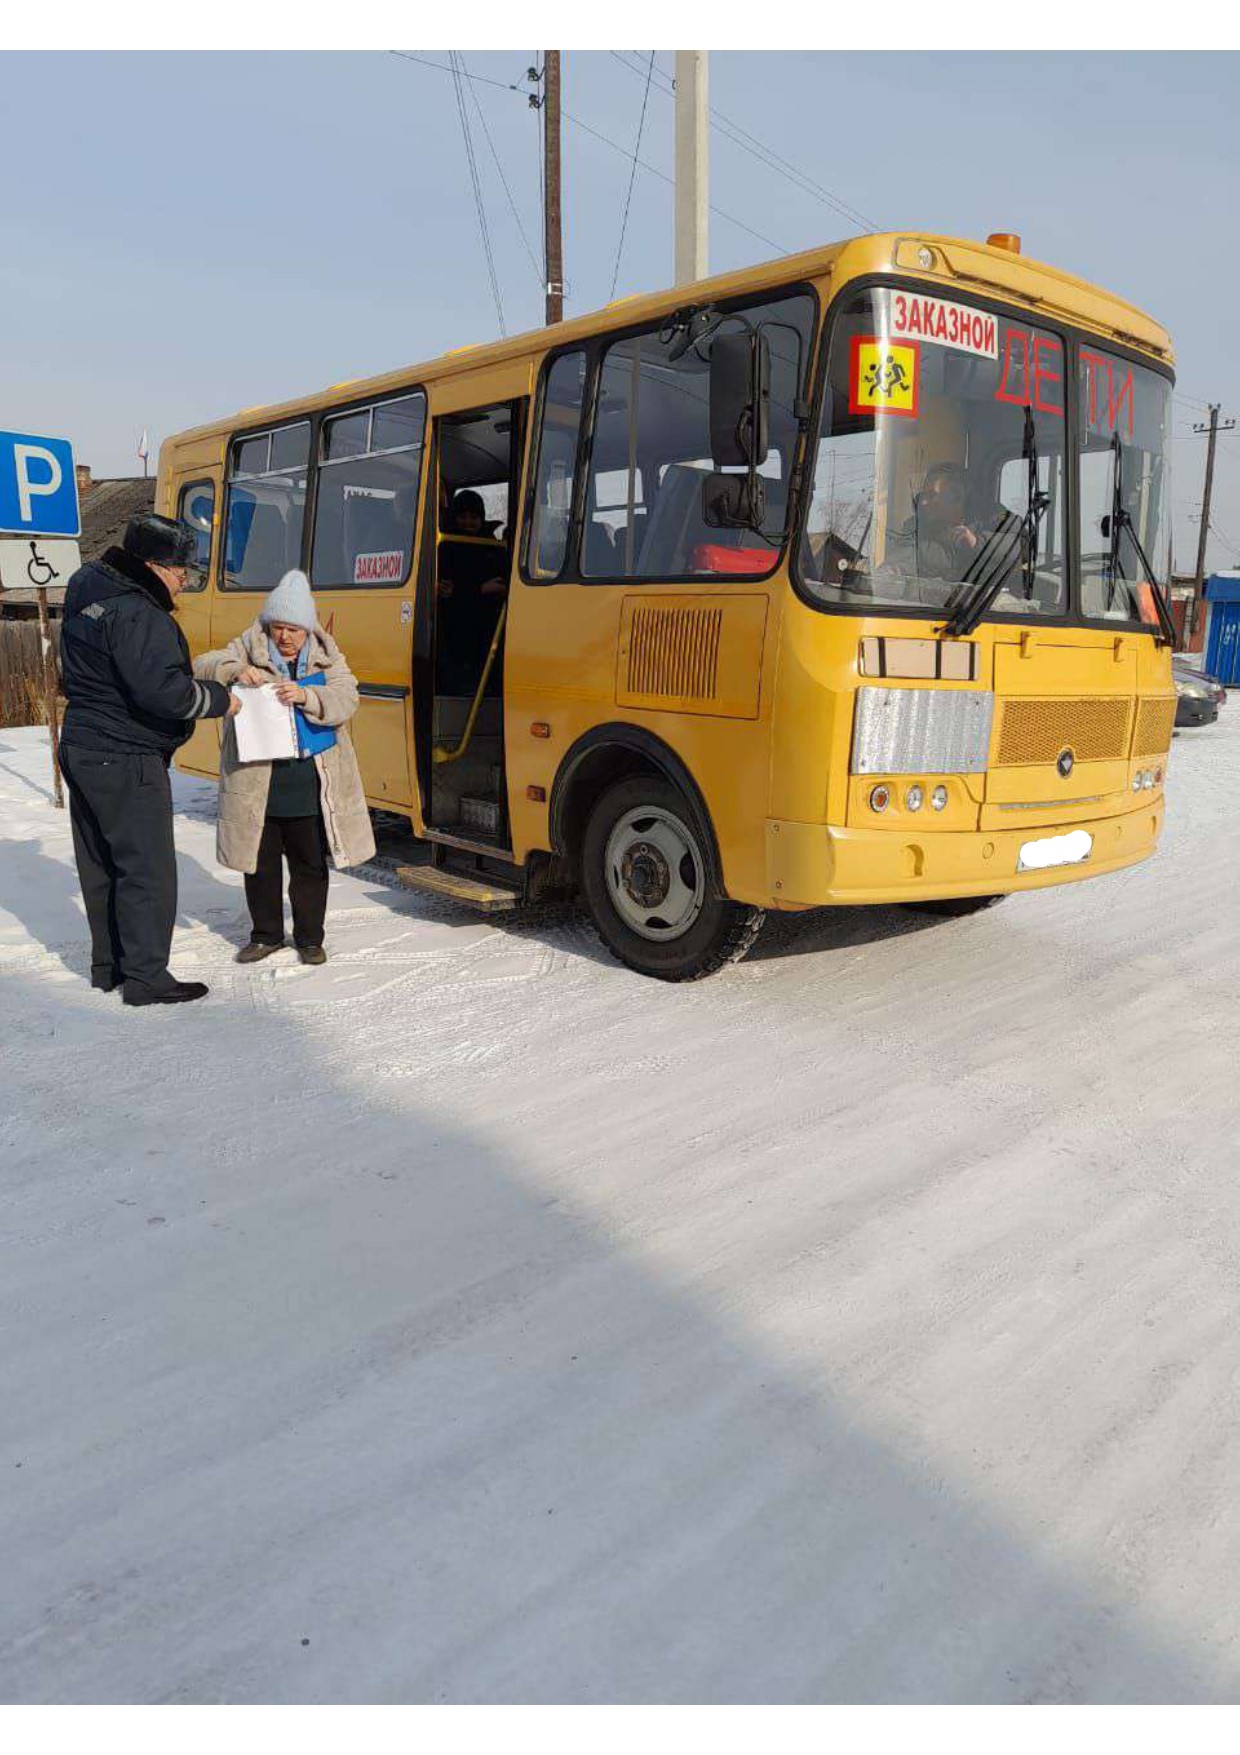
{"x":441,"y":753}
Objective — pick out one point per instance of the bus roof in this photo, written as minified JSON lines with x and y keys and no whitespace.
{"x":958,"y":262}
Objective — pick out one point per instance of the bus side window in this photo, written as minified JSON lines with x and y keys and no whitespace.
{"x":650,"y":451}
{"x":266,"y":507}
{"x":370,"y":468}
{"x":559,"y":428}
{"x":196,"y":507}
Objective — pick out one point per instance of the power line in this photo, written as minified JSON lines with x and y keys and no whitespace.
{"x":731,"y":218}
{"x":637,"y":146}
{"x":748,"y":142}
{"x":458,"y":82}
{"x":1224,"y":538}
{"x":477,"y":78}
{"x":663,"y":176}
{"x":538,"y":274}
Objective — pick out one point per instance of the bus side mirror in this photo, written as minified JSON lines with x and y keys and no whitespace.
{"x":740,"y":400}
{"x":734,"y":502}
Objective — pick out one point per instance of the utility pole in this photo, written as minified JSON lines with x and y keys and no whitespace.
{"x":553,"y":236}
{"x":692,"y":166}
{"x":1213,"y":430}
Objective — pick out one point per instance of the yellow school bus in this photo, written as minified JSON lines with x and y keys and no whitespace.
{"x":824,"y":582}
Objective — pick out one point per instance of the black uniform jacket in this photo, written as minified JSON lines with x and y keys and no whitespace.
{"x":125,"y":664}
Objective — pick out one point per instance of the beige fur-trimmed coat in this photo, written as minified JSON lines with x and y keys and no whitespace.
{"x":244,"y":785}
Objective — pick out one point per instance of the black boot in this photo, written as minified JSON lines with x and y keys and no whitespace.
{"x":175,"y":993}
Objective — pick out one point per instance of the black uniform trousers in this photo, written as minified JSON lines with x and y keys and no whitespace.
{"x":120,"y":806}
{"x":303,"y":842}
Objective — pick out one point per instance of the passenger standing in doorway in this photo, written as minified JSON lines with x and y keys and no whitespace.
{"x":301,"y":808}
{"x":133,"y":701}
{"x":471,"y":587}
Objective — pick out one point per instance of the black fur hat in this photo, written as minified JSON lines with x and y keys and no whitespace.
{"x":161,"y":541}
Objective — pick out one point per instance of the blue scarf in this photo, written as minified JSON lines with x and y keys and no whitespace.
{"x":312,"y":739}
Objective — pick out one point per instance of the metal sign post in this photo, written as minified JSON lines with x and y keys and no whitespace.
{"x":51,"y":694}
{"x":38,"y":499}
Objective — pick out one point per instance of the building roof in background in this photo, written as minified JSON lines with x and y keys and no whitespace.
{"x":107,"y":506}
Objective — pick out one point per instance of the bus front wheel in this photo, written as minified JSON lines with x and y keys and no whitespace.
{"x":647,"y":882}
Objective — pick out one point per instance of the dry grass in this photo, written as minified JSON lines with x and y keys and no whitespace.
{"x":21,"y":674}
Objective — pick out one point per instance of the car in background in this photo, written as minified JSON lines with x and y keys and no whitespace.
{"x":1198,"y":695}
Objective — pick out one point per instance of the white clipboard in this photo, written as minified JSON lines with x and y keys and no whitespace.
{"x":266,"y":729}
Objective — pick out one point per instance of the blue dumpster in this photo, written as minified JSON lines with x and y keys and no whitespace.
{"x":1222,"y":592}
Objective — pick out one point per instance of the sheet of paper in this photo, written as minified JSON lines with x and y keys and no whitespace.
{"x":266,"y":728}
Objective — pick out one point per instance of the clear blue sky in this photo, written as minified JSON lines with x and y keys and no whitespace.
{"x":190,"y":234}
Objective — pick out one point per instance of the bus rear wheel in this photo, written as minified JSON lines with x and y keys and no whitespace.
{"x":647,"y":882}
{"x":953,"y":907}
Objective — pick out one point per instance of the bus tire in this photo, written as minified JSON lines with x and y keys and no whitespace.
{"x":646,"y":878}
{"x":954,"y":907}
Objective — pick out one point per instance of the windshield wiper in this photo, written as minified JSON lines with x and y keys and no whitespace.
{"x":1165,"y":622}
{"x":1117,"y":514}
{"x":1038,"y":504}
{"x":991,"y":566}
{"x":1121,"y":519}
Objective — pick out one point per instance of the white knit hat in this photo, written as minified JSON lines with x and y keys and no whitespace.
{"x":292,"y":601}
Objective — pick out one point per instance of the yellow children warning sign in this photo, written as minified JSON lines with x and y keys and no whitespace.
{"x":883,"y":376}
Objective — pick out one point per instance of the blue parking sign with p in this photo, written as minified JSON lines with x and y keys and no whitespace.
{"x":38,"y":486}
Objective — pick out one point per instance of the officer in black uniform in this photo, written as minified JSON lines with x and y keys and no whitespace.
{"x":133,"y":700}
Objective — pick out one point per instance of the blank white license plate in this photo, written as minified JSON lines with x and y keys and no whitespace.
{"x":1055,"y":850}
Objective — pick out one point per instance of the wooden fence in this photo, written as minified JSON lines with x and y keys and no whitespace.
{"x":21,"y":673}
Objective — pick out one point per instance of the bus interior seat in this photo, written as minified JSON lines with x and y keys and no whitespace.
{"x":600,"y":554}
{"x":265,"y":554}
{"x":676,"y":523}
{"x":678,"y":526}
{"x":367,"y":526}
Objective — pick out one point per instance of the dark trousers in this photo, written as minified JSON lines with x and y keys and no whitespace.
{"x":120,"y":806}
{"x":303,"y":842}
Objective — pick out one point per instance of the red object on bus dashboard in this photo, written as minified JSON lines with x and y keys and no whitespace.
{"x":714,"y":557}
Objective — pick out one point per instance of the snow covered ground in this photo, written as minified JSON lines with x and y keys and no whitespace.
{"x":473,"y":1320}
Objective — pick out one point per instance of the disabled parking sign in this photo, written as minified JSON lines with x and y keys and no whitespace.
{"x":37,"y":561}
{"x":38,"y":486}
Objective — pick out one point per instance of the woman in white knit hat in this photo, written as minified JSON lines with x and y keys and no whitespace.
{"x":301,"y":808}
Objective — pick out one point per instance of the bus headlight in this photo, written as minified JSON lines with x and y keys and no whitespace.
{"x":938,"y":798}
{"x":913,"y":798}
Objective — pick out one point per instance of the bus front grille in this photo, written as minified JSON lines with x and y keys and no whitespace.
{"x":1032,"y":732}
{"x":1155,"y":723}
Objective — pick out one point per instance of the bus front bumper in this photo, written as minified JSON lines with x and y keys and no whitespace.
{"x":811,"y":865}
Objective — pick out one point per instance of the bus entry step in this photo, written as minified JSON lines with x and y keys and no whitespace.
{"x":488,"y":895}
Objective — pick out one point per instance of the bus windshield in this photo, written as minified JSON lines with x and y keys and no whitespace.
{"x":940,"y":465}
{"x":1125,"y":416}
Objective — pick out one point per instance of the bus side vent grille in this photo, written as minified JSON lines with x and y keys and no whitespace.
{"x":1033,"y":732}
{"x":1155,"y":723}
{"x":675,"y":652}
